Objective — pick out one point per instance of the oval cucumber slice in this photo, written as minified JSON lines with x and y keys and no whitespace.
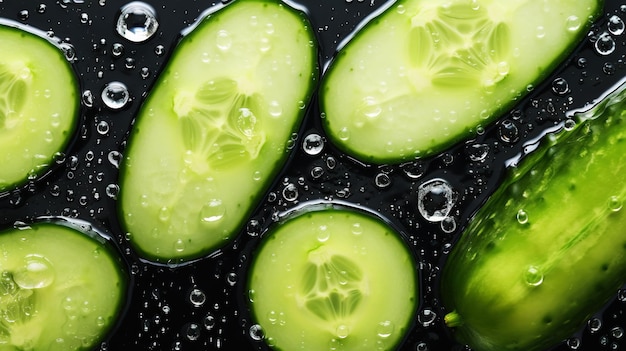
{"x":60,"y":289}
{"x":38,"y":105}
{"x":426,"y":73}
{"x":213,"y":132}
{"x":333,"y":279}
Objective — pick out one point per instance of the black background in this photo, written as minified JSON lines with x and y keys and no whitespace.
{"x":159,"y":313}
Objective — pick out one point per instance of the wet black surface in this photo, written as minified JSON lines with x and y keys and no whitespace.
{"x":166,"y":309}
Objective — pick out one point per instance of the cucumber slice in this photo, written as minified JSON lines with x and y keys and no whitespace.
{"x":213,"y":133}
{"x":426,"y":73}
{"x":59,"y":288}
{"x":38,"y":105}
{"x":333,"y":279}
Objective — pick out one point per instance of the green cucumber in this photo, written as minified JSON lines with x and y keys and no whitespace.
{"x":38,"y":105}
{"x":547,"y":250}
{"x":425,"y":74}
{"x":215,"y":129}
{"x":60,"y":289}
{"x":333,"y":279}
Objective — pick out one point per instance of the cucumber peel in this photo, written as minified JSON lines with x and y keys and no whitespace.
{"x":426,"y":74}
{"x":214,"y":131}
{"x":546,"y":251}
{"x":38,"y":105}
{"x":334,"y":279}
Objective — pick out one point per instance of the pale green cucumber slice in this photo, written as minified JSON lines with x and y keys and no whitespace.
{"x":333,"y":279}
{"x":426,"y":73}
{"x":213,"y":133}
{"x":60,"y":289}
{"x":38,"y":105}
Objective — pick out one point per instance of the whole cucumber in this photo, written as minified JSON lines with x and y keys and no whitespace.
{"x":548,"y":249}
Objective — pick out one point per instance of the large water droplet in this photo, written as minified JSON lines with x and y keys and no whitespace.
{"x":436,"y":198}
{"x":197,"y":297}
{"x":37,"y":273}
{"x":213,"y":211}
{"x":137,"y":22}
{"x":533,"y":276}
{"x":313,"y":144}
{"x":605,"y":45}
{"x":115,"y":95}
{"x":616,"y":25}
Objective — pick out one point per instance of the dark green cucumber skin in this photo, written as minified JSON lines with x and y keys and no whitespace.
{"x":439,"y":142}
{"x":571,"y":189}
{"x":244,"y":210}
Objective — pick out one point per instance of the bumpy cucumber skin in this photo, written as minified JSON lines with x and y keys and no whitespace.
{"x":156,"y":174}
{"x":82,"y":302}
{"x":388,"y":282}
{"x":527,"y":280}
{"x":48,"y":114}
{"x":379,"y":104}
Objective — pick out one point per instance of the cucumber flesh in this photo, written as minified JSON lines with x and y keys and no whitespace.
{"x":547,"y":250}
{"x":47,"y":300}
{"x":38,"y":105}
{"x":426,"y":73}
{"x":213,"y":133}
{"x":333,"y":279}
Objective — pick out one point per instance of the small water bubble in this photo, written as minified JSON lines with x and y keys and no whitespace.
{"x":478,"y":152}
{"x":41,"y":8}
{"x":540,"y":32}
{"x":115,"y":95}
{"x":68,"y":51}
{"x":621,"y":295}
{"x":275,"y":109}
{"x":573,"y":343}
{"x":594,"y":324}
{"x":569,"y":124}
{"x":605,"y":45}
{"x":342,"y":331}
{"x":560,"y":86}
{"x":159,"y":50}
{"x":102,"y":127}
{"x":193,"y":332}
{"x":112,"y":190}
{"x":617,"y":332}
{"x":331,"y":162}
{"x":223,"y":40}
{"x":573,"y":23}
{"x":256,"y":332}
{"x":508,"y":131}
{"x":313,"y":144}
{"x":436,"y":198}
{"x":84,"y":18}
{"x":231,"y":278}
{"x":253,"y":228}
{"x":414,"y":169}
{"x":117,"y":50}
{"x":323,"y":234}
{"x":426,"y":317}
{"x":23,"y":15}
{"x":448,"y":225}
{"x":608,"y":68}
{"x":209,"y":321}
{"x":145,"y":72}
{"x":87,"y":98}
{"x":115,"y":157}
{"x":317,"y":172}
{"x":290,"y":192}
{"x":522,"y":217}
{"x":357,"y":229}
{"x":197,"y":297}
{"x":382,"y":180}
{"x":129,"y":63}
{"x":533,"y":276}
{"x":422,"y":346}
{"x":615,"y":203}
{"x":212,"y":211}
{"x":385,"y":329}
{"x":137,"y":22}
{"x":616,"y":25}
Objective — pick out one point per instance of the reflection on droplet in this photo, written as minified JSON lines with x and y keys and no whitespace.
{"x":197,"y":297}
{"x":616,"y":25}
{"x":436,"y":198}
{"x":115,"y":95}
{"x":615,"y":204}
{"x":573,"y":23}
{"x":37,"y":273}
{"x":223,"y":40}
{"x":522,"y":217}
{"x":605,"y":45}
{"x":313,"y":144}
{"x":533,"y":276}
{"x":137,"y":22}
{"x":256,"y":332}
{"x":212,"y":211}
{"x":385,"y":329}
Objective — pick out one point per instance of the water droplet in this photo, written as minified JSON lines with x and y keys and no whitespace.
{"x":436,"y":198}
{"x":569,"y":124}
{"x":357,"y":229}
{"x":209,"y":321}
{"x":102,"y":127}
{"x":317,"y":172}
{"x":159,"y":50}
{"x":114,"y":158}
{"x":115,"y":95}
{"x":605,"y":45}
{"x":223,"y":40}
{"x":414,"y":169}
{"x":23,"y":15}
{"x":323,"y":234}
{"x":615,"y":203}
{"x":41,"y":8}
{"x":179,"y":245}
{"x":313,"y":144}
{"x":426,"y":317}
{"x":385,"y":329}
{"x":594,"y":324}
{"x":608,"y":68}
{"x":560,"y":86}
{"x":508,"y":131}
{"x":37,"y":273}
{"x":87,"y":98}
{"x":616,"y":25}
{"x":572,"y":23}
{"x":573,"y":343}
{"x":540,"y":32}
{"x":275,"y":109}
{"x":382,"y":180}
{"x":290,"y":192}
{"x":448,"y":225}
{"x":522,"y":217}
{"x":112,"y":190}
{"x":231,"y":278}
{"x":137,"y":22}
{"x":118,"y":49}
{"x":197,"y":297}
{"x":193,"y":332}
{"x":212,"y":211}
{"x":342,"y":331}
{"x":84,"y":18}
{"x":617,"y":332}
{"x":533,"y":276}
{"x":478,"y":152}
{"x":68,"y":51}
{"x":331,"y":163}
{"x":256,"y":332}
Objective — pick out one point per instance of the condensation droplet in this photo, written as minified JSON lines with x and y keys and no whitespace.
{"x":112,"y":190}
{"x":573,"y":23}
{"x":317,"y":172}
{"x":212,"y":211}
{"x":385,"y":329}
{"x":193,"y":332}
{"x":115,"y":95}
{"x":533,"y":276}
{"x":426,"y":317}
{"x":313,"y":144}
{"x":594,"y":324}
{"x":256,"y":332}
{"x":37,"y":273}
{"x":102,"y":127}
{"x":616,"y":25}
{"x":115,"y":157}
{"x":223,"y":40}
{"x":137,"y":22}
{"x":87,"y":98}
{"x":508,"y":131}
{"x":197,"y":297}
{"x":382,"y":180}
{"x":605,"y":45}
{"x":117,"y":50}
{"x":615,"y":203}
{"x":560,"y":86}
{"x":522,"y":217}
{"x":290,"y":192}
{"x":478,"y":152}
{"x":436,"y":198}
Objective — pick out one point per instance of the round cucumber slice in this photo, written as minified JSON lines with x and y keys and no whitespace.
{"x":427,"y":73}
{"x":38,"y":105}
{"x":333,"y":279}
{"x":60,"y":289}
{"x":214,"y":131}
